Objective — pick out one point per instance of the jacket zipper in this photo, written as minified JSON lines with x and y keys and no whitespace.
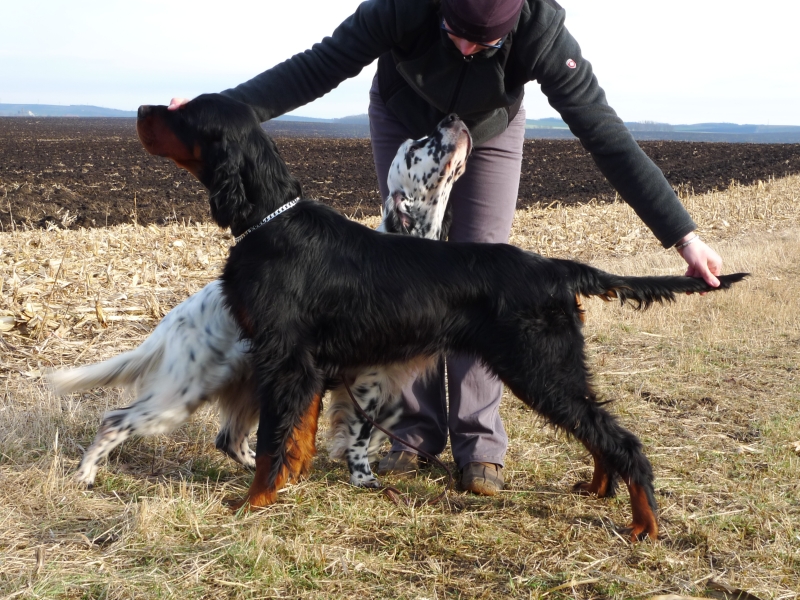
{"x":461,"y":77}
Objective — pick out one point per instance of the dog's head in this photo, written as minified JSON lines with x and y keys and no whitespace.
{"x":421,"y":177}
{"x":220,"y":141}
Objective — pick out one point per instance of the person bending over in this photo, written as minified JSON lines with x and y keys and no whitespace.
{"x":473,"y":58}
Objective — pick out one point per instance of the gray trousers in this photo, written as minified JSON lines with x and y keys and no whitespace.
{"x":484,"y":201}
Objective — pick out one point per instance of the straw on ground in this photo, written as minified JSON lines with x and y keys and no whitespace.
{"x":710,"y":385}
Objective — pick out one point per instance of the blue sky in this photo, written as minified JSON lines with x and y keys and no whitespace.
{"x":677,"y":61}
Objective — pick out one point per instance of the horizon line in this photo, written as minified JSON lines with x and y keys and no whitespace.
{"x":332,"y":120}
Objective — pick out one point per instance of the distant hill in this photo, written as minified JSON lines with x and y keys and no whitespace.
{"x":679,"y":136}
{"x":351,"y":120}
{"x":57,"y":110}
{"x":551,"y":127}
{"x":555,"y":128}
{"x":549,"y":123}
{"x":714,"y":128}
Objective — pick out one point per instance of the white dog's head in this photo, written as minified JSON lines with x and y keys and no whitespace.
{"x":420,"y":180}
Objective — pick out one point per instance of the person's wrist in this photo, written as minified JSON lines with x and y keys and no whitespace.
{"x":686,"y":240}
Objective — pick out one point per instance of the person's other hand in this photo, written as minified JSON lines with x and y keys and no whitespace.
{"x":176,"y":103}
{"x":702,"y":260}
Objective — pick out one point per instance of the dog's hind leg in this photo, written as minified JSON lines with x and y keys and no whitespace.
{"x":602,"y":484}
{"x":548,"y":372}
{"x":153,"y":412}
{"x":617,"y":451}
{"x":238,"y":415}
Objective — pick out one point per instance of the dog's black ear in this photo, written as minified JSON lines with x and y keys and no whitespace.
{"x":271,"y":184}
{"x":228,"y":197}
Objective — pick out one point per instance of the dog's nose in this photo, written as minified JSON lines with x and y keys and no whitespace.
{"x":143,"y":111}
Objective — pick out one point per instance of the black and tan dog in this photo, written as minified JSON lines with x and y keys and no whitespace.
{"x":321,"y":297}
{"x":197,"y":355}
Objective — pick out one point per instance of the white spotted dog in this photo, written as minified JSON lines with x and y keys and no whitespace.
{"x":197,"y":354}
{"x":420,"y":180}
{"x":193,"y":356}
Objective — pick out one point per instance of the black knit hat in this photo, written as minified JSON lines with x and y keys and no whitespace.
{"x":481,"y":20}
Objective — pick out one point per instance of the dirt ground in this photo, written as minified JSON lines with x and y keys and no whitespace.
{"x":710,"y":385}
{"x":94,"y":172}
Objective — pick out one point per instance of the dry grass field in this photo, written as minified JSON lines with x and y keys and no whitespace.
{"x":710,"y":384}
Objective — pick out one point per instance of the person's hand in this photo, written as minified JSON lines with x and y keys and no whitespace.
{"x":176,"y":103}
{"x":702,"y":260}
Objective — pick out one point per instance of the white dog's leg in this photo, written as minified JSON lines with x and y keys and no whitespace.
{"x":153,"y":412}
{"x":353,"y":438}
{"x":238,"y":414}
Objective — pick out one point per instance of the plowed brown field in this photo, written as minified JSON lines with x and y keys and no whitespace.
{"x":94,"y":172}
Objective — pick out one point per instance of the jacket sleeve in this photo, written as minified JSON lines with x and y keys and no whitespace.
{"x":571,"y":88}
{"x":309,"y":75}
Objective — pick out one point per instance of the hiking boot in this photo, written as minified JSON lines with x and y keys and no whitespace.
{"x":485,"y":479}
{"x":399,"y":463}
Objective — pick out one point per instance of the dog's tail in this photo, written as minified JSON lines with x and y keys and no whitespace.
{"x":121,"y":370}
{"x":640,"y":291}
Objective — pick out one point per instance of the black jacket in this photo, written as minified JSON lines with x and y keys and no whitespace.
{"x":422,"y":77}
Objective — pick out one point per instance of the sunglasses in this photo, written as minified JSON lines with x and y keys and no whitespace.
{"x":481,"y":44}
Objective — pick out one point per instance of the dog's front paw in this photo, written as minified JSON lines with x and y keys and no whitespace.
{"x":365,"y":481}
{"x":637,"y":532}
{"x":249,"y":459}
{"x":235,"y":504}
{"x":240,"y":453}
{"x":86,"y":475}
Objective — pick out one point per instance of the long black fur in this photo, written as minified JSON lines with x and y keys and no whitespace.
{"x":320,"y":295}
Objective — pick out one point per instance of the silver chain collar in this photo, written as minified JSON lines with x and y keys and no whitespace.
{"x":267,"y":219}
